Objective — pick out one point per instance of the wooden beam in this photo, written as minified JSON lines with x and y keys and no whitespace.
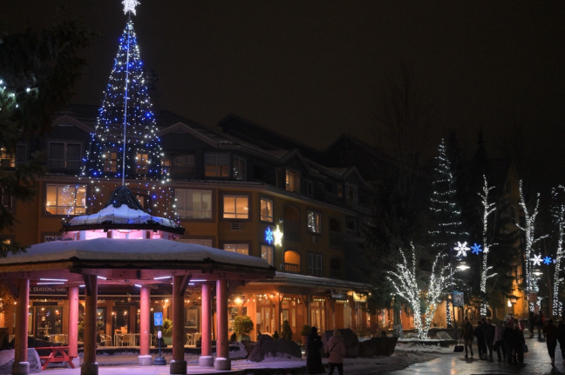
{"x":184,"y":284}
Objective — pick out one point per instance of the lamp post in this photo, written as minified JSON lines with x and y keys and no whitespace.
{"x":461,"y":252}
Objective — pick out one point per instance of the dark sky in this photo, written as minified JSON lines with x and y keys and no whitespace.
{"x":308,"y":68}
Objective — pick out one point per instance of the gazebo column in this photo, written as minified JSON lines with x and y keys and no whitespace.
{"x":206,"y":349}
{"x":73,"y":320}
{"x":222,"y":361}
{"x":21,"y":365}
{"x":178,"y":364}
{"x":144,"y":320}
{"x":90,"y":366}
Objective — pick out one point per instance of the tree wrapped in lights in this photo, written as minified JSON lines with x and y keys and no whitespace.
{"x":530,"y":240}
{"x":558,"y":216}
{"x":488,"y":209}
{"x":125,"y":144}
{"x":406,"y":285}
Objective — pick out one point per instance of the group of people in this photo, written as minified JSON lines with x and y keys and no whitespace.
{"x":334,"y":350}
{"x":507,"y":338}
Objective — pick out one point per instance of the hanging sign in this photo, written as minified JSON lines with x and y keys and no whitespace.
{"x":458,"y":299}
{"x":158,"y":318}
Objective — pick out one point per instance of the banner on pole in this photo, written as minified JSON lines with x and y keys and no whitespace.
{"x":458,"y":299}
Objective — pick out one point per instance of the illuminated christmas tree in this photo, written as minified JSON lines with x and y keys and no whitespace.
{"x":125,"y":144}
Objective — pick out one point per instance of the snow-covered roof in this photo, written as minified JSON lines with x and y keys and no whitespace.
{"x":286,"y":278}
{"x":142,"y":250}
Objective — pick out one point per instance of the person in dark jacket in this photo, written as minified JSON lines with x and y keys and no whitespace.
{"x":539,"y":325}
{"x":507,"y":338}
{"x":561,"y":338}
{"x":467,"y":335}
{"x":499,"y":341}
{"x":313,"y":355}
{"x":489,"y":332}
{"x":480,"y":335}
{"x":518,"y":342}
{"x":551,"y":331}
{"x":531,"y":321}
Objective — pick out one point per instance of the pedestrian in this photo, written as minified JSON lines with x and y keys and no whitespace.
{"x":313,"y":355}
{"x":521,"y":325}
{"x":531,"y":324}
{"x":550,"y":331}
{"x":518,"y":342}
{"x":539,"y":325}
{"x":335,"y":347}
{"x":561,"y":338}
{"x":499,"y":341}
{"x":508,"y":346}
{"x":480,"y":335}
{"x":467,"y":335}
{"x":489,"y":331}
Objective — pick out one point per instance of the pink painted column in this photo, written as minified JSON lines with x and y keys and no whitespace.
{"x":178,"y":364}
{"x":222,"y":361}
{"x":206,"y":355}
{"x":21,"y":365}
{"x":89,"y":365}
{"x":72,"y":295}
{"x":144,"y":329}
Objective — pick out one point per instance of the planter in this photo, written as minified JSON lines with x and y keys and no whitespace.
{"x":168,"y":340}
{"x":303,"y":338}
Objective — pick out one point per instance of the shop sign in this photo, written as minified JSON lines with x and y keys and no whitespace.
{"x":158,"y":318}
{"x":359,"y":297}
{"x":47,"y":289}
{"x":339,"y":296}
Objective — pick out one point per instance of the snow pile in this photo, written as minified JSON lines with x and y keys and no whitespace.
{"x":429,"y":347}
{"x":121,"y":215}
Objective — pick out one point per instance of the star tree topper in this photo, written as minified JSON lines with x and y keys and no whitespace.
{"x":129,"y":6}
{"x":461,"y":249}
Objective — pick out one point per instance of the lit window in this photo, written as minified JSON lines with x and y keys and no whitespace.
{"x":52,"y":238}
{"x":141,"y":163}
{"x":194,"y":204}
{"x":291,"y":261}
{"x":351,"y":194}
{"x":266,"y":210}
{"x":240,"y":248}
{"x":63,"y":155}
{"x":65,"y":200}
{"x":314,"y":222}
{"x":110,"y":161}
{"x":216,"y":165}
{"x":314,"y":264}
{"x":7,"y":160}
{"x":197,"y":241}
{"x":239,"y":169}
{"x":236,"y":207}
{"x":292,"y":181}
{"x":165,"y":165}
{"x":267,"y":254}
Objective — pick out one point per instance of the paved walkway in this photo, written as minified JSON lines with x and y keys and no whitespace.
{"x":536,"y":362}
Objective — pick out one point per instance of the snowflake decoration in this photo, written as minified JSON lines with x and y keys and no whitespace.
{"x":269,"y":236}
{"x":536,"y":260}
{"x":461,"y":249}
{"x":547,"y":260}
{"x":129,"y":6}
{"x":476,"y":249}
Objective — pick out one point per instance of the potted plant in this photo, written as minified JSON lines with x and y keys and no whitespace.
{"x":304,"y":333}
{"x":286,"y":332}
{"x":167,"y":331}
{"x":242,"y":325}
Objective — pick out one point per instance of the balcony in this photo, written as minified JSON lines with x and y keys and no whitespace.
{"x":292,"y":230}
{"x":289,"y":267}
{"x":181,"y":172}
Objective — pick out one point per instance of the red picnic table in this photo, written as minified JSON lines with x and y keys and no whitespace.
{"x":58,"y":354}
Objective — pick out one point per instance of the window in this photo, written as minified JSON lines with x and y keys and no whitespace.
{"x":63,"y":155}
{"x":314,"y":264}
{"x":21,"y":154}
{"x":266,"y":210}
{"x":308,"y":188}
{"x":216,"y":165}
{"x":7,"y":160}
{"x":267,"y":254}
{"x":239,"y":169}
{"x":335,"y":268}
{"x":340,"y":190}
{"x":110,"y":161}
{"x":141,"y":163}
{"x":165,"y":165}
{"x":351,"y":223}
{"x":292,"y":181}
{"x":197,"y":241}
{"x":314,"y":222}
{"x":291,"y":261}
{"x":52,"y":238}
{"x":351,"y":194}
{"x":65,"y":200}
{"x":236,"y":207}
{"x":194,"y":204}
{"x":240,"y":248}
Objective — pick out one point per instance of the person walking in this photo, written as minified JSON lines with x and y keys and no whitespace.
{"x":561,"y":338}
{"x":499,"y":341}
{"x":550,"y":332}
{"x":467,"y":335}
{"x":508,"y":346}
{"x":539,"y":325}
{"x":531,"y":324}
{"x":518,"y":342}
{"x":489,"y":331}
{"x":480,"y":335}
{"x":313,"y":355}
{"x":335,"y":347}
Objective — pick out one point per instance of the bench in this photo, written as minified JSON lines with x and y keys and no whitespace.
{"x":58,"y":354}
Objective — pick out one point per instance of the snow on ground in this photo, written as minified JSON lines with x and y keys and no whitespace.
{"x":430,"y":347}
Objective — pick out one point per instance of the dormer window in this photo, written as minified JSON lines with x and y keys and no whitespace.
{"x":351,"y":194}
{"x":217,"y":165}
{"x":239,"y":169}
{"x":64,"y":155}
{"x":292,"y":181}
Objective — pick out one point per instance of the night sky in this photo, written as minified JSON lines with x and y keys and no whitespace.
{"x":309,"y":69}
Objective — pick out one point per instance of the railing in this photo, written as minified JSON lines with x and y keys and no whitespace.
{"x":292,"y":230}
{"x":289,"y":267}
{"x":181,"y":172}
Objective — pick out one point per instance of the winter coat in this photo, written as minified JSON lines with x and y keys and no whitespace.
{"x":336,"y":348}
{"x":561,"y":332}
{"x":498,"y":333}
{"x":480,"y":332}
{"x":467,"y":331}
{"x":507,"y":335}
{"x":518,"y":340}
{"x":551,"y":332}
{"x":489,"y":331}
{"x":314,"y":357}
